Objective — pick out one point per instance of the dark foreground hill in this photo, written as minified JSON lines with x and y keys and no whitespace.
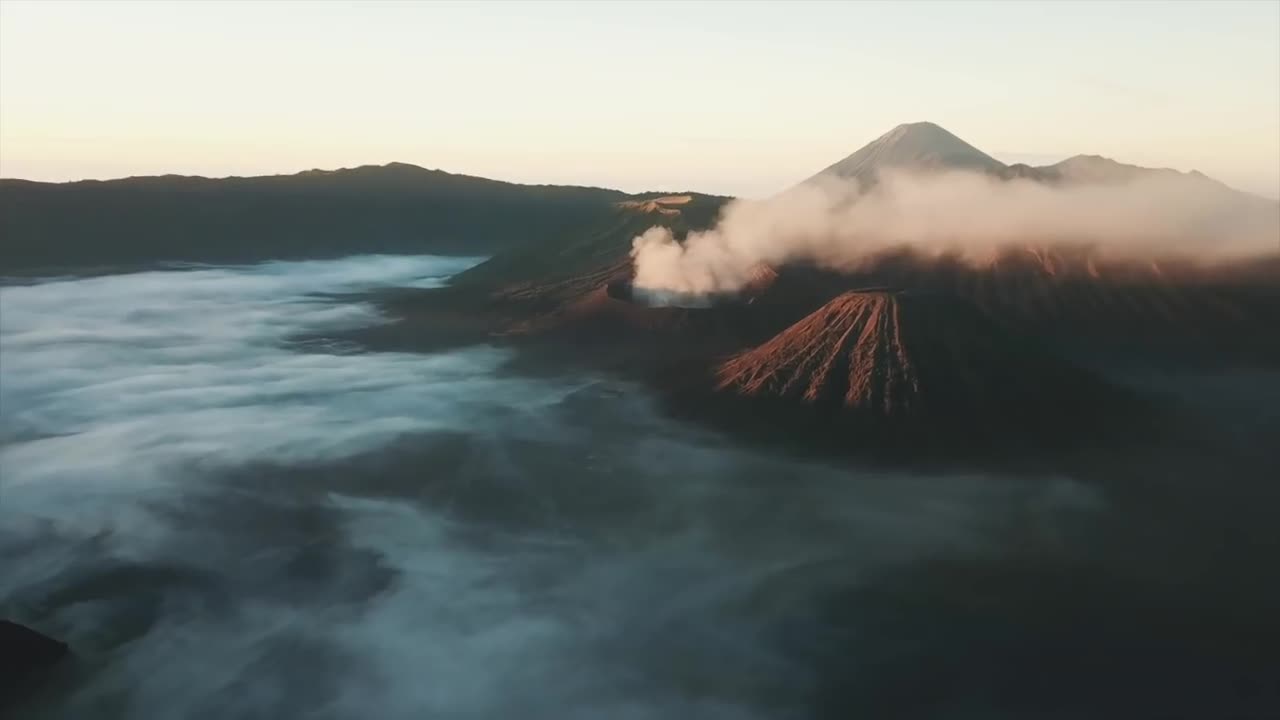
{"x":395,"y":208}
{"x":26,"y":657}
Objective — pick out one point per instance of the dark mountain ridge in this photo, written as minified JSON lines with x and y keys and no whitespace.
{"x":395,"y":208}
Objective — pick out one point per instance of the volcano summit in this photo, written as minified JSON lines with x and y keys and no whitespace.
{"x":916,"y":146}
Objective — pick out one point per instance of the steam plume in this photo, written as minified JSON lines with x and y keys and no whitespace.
{"x":831,"y":222}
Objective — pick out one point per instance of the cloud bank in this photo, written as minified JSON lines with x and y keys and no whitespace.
{"x":114,"y":384}
{"x":836,"y":224}
{"x":225,"y":522}
{"x":240,"y":524}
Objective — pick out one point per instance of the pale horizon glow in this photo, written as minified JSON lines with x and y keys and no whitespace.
{"x":739,"y":99}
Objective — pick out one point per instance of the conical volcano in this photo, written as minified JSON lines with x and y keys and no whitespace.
{"x":914,"y":146}
{"x":905,"y":358}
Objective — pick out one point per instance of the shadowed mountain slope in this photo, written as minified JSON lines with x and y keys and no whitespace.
{"x":602,"y":242}
{"x":395,"y":208}
{"x":26,"y":657}
{"x":894,"y":353}
{"x":1156,"y":313}
{"x":887,"y":359}
{"x":556,"y":288}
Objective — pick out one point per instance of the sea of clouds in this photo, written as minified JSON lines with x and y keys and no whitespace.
{"x":230,"y":512}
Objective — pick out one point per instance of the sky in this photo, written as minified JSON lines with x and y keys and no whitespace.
{"x":734,"y":98}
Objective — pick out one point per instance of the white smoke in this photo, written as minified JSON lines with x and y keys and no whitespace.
{"x":831,"y":222}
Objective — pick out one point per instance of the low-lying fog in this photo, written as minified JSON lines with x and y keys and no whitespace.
{"x":228,"y":516}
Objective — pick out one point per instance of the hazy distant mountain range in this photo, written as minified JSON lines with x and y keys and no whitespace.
{"x":926,"y":146}
{"x":395,"y":208}
{"x":401,"y":208}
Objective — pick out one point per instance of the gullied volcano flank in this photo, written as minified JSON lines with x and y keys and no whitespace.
{"x":904,"y":357}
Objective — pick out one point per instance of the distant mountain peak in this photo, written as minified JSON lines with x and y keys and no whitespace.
{"x":918,"y":145}
{"x":400,"y":168}
{"x":1099,"y":169}
{"x":1095,"y":162}
{"x":923,"y":128}
{"x":927,"y":146}
{"x":1086,"y":157}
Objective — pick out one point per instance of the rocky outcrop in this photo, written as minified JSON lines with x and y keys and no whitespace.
{"x":25,"y":657}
